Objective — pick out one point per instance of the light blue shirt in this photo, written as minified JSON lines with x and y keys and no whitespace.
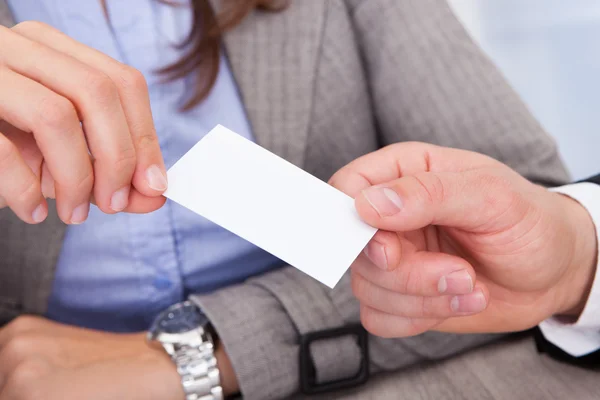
{"x":116,"y":272}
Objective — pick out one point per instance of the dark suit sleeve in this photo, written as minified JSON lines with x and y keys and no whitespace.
{"x":595,"y":179}
{"x":591,"y":360}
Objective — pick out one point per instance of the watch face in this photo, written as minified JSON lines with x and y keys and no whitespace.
{"x":180,"y":318}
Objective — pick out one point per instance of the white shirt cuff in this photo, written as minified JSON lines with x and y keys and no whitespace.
{"x":583,"y":336}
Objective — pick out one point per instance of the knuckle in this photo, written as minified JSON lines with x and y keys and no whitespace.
{"x":18,"y":347}
{"x":30,"y":26}
{"x":56,"y":112}
{"x":21,"y":324}
{"x":124,"y":161}
{"x":22,"y":380}
{"x":146,"y":141}
{"x":100,"y":89}
{"x":131,"y":79}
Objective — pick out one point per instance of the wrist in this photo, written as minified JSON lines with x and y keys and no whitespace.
{"x":160,"y":368}
{"x":576,"y":283}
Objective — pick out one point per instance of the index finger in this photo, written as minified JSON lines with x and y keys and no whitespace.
{"x":402,"y":159}
{"x":150,"y":174}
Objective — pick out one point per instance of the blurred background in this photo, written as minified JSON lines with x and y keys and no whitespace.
{"x":549,"y":50}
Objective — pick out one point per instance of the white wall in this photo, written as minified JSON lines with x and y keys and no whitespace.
{"x":550,"y":52}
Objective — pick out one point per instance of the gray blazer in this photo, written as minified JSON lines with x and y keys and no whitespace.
{"x":323,"y":83}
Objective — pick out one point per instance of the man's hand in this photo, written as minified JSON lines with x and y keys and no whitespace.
{"x":75,"y":125}
{"x":43,"y":359}
{"x":467,"y":244}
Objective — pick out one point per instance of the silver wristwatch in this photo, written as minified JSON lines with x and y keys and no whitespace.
{"x":187,"y":336}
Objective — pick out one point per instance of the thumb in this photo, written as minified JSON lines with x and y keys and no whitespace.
{"x":471,"y":200}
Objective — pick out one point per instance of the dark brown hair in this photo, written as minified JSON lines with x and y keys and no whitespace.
{"x":203,"y":44}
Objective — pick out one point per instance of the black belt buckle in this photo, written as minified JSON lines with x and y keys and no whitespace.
{"x":308,"y":379}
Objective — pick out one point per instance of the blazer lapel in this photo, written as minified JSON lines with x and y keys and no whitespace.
{"x":273,"y":57}
{"x":6,"y":18}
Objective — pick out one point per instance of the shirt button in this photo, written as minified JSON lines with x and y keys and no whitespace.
{"x":162,"y":283}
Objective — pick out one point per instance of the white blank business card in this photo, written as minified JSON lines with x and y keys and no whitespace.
{"x":273,"y":204}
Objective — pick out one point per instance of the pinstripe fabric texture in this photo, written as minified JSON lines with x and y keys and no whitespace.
{"x":5,"y":17}
{"x":323,"y":83}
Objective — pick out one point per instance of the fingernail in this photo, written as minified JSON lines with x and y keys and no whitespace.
{"x":469,"y":303}
{"x":80,"y":213}
{"x":120,"y":199}
{"x":457,"y":282}
{"x":39,"y":214}
{"x":156,"y":178}
{"x":384,"y":200}
{"x":376,"y":253}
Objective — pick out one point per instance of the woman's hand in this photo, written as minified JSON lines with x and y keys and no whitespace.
{"x":41,"y":359}
{"x":75,"y":125}
{"x":467,"y":244}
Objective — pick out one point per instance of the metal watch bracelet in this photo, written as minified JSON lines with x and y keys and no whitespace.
{"x":197,"y":367}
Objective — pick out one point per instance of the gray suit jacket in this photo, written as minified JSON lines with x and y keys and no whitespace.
{"x":323,"y":83}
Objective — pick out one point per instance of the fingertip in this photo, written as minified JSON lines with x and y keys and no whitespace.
{"x":40,"y":213}
{"x":472,"y":303}
{"x":460,"y":281}
{"x":80,"y":213}
{"x":484,"y":290}
{"x":366,"y":211}
{"x":385,"y":250}
{"x":383,"y":200}
{"x":120,"y":199}
{"x":154,"y":181}
{"x":33,"y":213}
{"x":376,"y":253}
